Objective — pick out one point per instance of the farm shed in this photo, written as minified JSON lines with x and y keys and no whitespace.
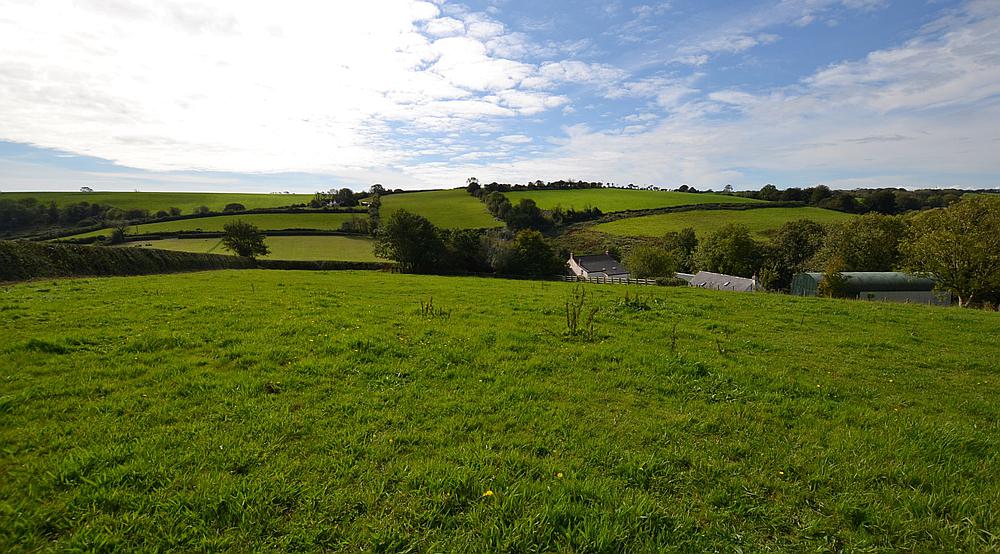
{"x":721,"y":281}
{"x":600,"y":265}
{"x":890,"y":286}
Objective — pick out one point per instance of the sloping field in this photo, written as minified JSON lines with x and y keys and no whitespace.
{"x":455,"y":209}
{"x":273,"y":410}
{"x":339,"y":248}
{"x":760,"y":221}
{"x":616,"y":200}
{"x":266,"y":222}
{"x":155,"y":201}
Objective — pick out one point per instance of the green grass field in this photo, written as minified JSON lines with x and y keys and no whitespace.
{"x":616,"y":200}
{"x":339,"y":248}
{"x":266,"y":222}
{"x":762,"y":222}
{"x":155,"y":201}
{"x":454,"y":209}
{"x":273,"y":410}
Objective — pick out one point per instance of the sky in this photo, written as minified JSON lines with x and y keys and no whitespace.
{"x":300,"y":95}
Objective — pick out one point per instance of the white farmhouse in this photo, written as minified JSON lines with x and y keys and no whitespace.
{"x":600,"y":265}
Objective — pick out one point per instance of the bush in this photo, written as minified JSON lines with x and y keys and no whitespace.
{"x":671,"y":282}
{"x":234,"y":207}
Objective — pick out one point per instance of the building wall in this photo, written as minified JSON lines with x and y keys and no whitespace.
{"x":912,"y":297}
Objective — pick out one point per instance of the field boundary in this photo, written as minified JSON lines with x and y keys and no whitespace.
{"x":26,"y":260}
{"x":215,"y":235}
{"x":627,"y":214}
{"x":61,"y":233}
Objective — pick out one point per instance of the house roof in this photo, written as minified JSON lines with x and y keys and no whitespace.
{"x":721,"y":281}
{"x":602,"y":263}
{"x":880,"y":281}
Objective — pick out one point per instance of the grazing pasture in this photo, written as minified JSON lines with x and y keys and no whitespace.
{"x":272,"y":410}
{"x":761,"y":222}
{"x":155,"y":201}
{"x":266,"y":222}
{"x":617,"y":200}
{"x":452,"y":209}
{"x":339,"y":248}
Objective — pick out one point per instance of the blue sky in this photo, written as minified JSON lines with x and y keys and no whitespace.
{"x":302,"y":96}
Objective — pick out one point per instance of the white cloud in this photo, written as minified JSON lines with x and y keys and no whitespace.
{"x":444,"y":27}
{"x":515,"y":139}
{"x":921,"y":114}
{"x":251,"y":87}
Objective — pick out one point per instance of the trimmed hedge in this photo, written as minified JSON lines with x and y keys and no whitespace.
{"x":21,"y":260}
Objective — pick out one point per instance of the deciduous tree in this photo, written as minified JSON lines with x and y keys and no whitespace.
{"x":959,"y":246}
{"x":245,"y":239}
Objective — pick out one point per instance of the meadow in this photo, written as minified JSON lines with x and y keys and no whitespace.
{"x":617,"y":200}
{"x":339,"y":248}
{"x":265,"y":222}
{"x":155,"y":201}
{"x":761,"y":222}
{"x":274,"y":410}
{"x":450,"y":209}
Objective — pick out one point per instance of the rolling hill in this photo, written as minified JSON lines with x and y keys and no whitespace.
{"x":155,"y":201}
{"x":266,"y":222}
{"x":454,"y":209}
{"x":761,"y":221}
{"x":616,"y":200}
{"x":333,"y":248}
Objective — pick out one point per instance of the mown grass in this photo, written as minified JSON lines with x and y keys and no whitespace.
{"x":617,"y":200}
{"x":452,"y":209}
{"x":266,"y":222}
{"x":761,"y":222}
{"x":155,"y":201}
{"x":339,"y":248}
{"x":266,"y":410}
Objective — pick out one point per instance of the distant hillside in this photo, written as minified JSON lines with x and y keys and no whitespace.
{"x":455,"y":209}
{"x":760,"y":221}
{"x":155,"y":201}
{"x":616,"y":200}
{"x":266,"y":222}
{"x":327,"y":248}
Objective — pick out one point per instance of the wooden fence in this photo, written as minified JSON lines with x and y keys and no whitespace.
{"x":607,"y":280}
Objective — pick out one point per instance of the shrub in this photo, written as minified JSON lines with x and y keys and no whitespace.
{"x":234,"y":207}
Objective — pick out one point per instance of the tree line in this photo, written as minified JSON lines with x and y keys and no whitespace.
{"x":887,"y":201}
{"x":526,"y":214}
{"x":418,"y":246}
{"x":958,"y":246}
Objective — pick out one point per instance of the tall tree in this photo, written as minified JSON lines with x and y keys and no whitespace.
{"x":792,"y":246}
{"x":959,"y":246}
{"x":245,"y":239}
{"x":646,"y":261}
{"x":345,"y":197}
{"x":731,"y":250}
{"x":866,"y":243}
{"x":410,"y":240}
